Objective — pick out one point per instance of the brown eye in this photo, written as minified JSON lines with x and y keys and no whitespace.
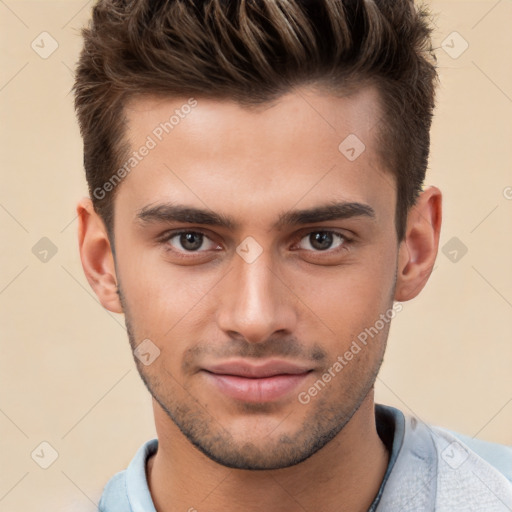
{"x":322,"y":241}
{"x":190,"y":241}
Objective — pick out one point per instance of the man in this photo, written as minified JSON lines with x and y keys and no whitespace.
{"x":258,"y":215}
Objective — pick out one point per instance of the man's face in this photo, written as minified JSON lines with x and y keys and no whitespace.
{"x":250,"y":302}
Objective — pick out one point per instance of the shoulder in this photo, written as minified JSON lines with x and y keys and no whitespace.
{"x":497,"y":455}
{"x":471,"y":472}
{"x":115,"y":497}
{"x":437,"y":469}
{"x":128,"y":490}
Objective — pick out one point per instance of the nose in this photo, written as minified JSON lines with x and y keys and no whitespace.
{"x":255,"y":302}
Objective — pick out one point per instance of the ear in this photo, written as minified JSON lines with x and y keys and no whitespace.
{"x":96,"y":255}
{"x":418,"y":250}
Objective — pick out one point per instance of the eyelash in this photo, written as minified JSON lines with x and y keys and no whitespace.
{"x":166,"y":237}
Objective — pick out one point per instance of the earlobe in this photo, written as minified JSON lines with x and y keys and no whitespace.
{"x":96,"y":255}
{"x":418,"y":250}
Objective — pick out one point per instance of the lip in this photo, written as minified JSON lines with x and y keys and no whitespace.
{"x":242,"y":368}
{"x":264,"y":382}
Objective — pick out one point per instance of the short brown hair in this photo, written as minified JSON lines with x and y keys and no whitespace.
{"x":253,"y":51}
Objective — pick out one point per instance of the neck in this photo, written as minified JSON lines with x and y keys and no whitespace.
{"x":345,"y":474}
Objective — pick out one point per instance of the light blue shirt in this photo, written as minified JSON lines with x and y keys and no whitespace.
{"x":430,"y":469}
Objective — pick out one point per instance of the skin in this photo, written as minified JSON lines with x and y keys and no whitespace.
{"x":298,"y":301}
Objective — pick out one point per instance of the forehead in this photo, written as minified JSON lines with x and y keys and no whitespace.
{"x":306,"y":147}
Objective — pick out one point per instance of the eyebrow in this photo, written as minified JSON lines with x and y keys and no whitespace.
{"x":169,"y":212}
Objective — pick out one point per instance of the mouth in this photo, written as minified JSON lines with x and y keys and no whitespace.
{"x":265,"y":382}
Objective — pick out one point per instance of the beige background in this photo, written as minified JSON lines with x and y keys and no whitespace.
{"x":67,"y":375}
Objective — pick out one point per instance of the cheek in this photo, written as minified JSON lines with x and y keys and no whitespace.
{"x":349,"y":299}
{"x":157,"y":288}
{"x":165,"y":304}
